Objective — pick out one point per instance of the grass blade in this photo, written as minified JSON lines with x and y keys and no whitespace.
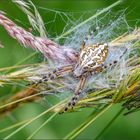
{"x":32,"y":120}
{"x":109,"y":124}
{"x":85,"y":124}
{"x":91,"y":18}
{"x":26,"y":58}
{"x":13,"y":126}
{"x":37,"y":130}
{"x":22,"y":99}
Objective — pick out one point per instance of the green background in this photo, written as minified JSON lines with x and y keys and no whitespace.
{"x":124,"y":128}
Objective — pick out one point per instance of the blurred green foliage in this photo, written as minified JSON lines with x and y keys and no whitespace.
{"x":124,"y":128}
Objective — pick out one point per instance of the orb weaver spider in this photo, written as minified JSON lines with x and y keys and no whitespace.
{"x":91,"y":61}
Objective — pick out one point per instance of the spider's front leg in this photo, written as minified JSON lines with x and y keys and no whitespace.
{"x":58,"y":72}
{"x":77,"y":94}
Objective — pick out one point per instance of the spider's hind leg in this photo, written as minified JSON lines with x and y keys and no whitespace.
{"x":76,"y":96}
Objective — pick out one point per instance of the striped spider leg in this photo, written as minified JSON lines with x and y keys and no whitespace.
{"x":77,"y":94}
{"x":58,"y":72}
{"x":90,"y":36}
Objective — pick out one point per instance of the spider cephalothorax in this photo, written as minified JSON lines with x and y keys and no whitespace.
{"x":90,"y":58}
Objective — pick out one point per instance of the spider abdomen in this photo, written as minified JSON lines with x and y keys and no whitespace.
{"x":90,"y":58}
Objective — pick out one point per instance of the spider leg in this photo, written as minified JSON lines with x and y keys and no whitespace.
{"x":92,"y":33}
{"x":102,"y":67}
{"x":89,"y":36}
{"x":86,"y":39}
{"x":76,"y":96}
{"x":115,"y":61}
{"x":58,"y":72}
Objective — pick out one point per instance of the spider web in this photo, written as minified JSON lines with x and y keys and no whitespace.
{"x":111,"y":25}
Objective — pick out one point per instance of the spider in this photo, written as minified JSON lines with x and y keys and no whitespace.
{"x":91,"y":61}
